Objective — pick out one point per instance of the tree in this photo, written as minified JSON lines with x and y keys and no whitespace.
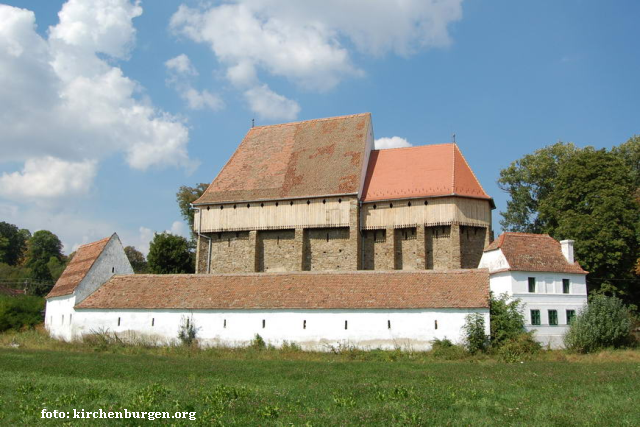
{"x":187,"y":195}
{"x":587,"y":195}
{"x":13,"y":243}
{"x":169,"y":254}
{"x":605,"y":322}
{"x":137,"y":260}
{"x":592,"y":203}
{"x":43,"y":246}
{"x":507,"y":320}
{"x":528,"y":181}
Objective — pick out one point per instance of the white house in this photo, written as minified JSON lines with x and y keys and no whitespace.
{"x":92,"y":265}
{"x":316,"y":310}
{"x":542,"y":273}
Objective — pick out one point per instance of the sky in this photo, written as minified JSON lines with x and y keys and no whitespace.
{"x":107,"y":107}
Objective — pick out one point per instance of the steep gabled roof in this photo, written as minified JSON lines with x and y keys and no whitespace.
{"x":426,"y":171}
{"x":306,"y":290}
{"x":85,"y":257}
{"x":533,"y":252}
{"x":303,"y":159}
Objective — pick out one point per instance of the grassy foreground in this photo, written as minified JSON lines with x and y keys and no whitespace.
{"x":271,"y":387}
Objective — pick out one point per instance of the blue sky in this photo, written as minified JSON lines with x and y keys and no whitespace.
{"x":109,"y":107}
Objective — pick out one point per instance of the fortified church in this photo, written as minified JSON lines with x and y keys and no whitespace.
{"x":309,"y":235}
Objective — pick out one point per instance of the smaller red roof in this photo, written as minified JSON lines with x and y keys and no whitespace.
{"x":83,"y":260}
{"x":533,"y":252}
{"x":426,"y":171}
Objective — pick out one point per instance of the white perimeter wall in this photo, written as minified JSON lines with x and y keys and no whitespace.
{"x":59,"y":316}
{"x":548,"y":296}
{"x":410,"y":329}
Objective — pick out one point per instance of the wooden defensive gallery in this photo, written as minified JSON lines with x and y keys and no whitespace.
{"x":309,"y":235}
{"x":316,"y":196}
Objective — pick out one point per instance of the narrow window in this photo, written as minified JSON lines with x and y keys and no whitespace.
{"x":435,"y":324}
{"x":304,"y":324}
{"x":308,"y":202}
{"x":571,"y":314}
{"x":339,"y":200}
{"x":291,"y":203}
{"x":113,"y":269}
{"x":264,"y":323}
{"x":553,"y":317}
{"x":388,"y":324}
{"x":187,"y":323}
{"x":327,"y":237}
{"x":535,"y":317}
{"x":390,"y":205}
{"x":566,"y":285}
{"x":224,"y":325}
{"x":207,"y":207}
{"x":262,"y":205}
{"x":278,"y":241}
{"x":118,"y":321}
{"x":532,"y":285}
{"x":248,"y":205}
{"x":234,"y":206}
{"x":345,"y":324}
{"x":375,"y":207}
{"x":426,"y":203}
{"x":153,"y":321}
{"x":70,"y":318}
{"x":276,"y":204}
{"x":62,"y":320}
{"x":221,"y":207}
{"x":409,"y":204}
{"x":324,"y":201}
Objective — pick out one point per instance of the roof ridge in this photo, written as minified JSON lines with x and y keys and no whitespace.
{"x":453,"y":169}
{"x":311,"y":120}
{"x":95,"y":243}
{"x":413,"y":147}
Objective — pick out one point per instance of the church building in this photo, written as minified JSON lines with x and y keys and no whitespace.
{"x":316,"y":196}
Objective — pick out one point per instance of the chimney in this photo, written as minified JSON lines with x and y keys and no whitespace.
{"x":567,"y":250}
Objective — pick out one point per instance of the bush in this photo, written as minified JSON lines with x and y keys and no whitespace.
{"x":445,"y":349}
{"x":20,"y":312}
{"x":518,"y":348}
{"x":188,"y":331}
{"x":474,"y":336}
{"x":507,"y":320}
{"x":604,"y":322}
{"x":258,"y":343}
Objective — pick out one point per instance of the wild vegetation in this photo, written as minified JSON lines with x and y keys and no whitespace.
{"x":260,"y":385}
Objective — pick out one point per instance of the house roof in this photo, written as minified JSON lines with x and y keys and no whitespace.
{"x":304,"y":290}
{"x":533,"y":252}
{"x":425,"y":171}
{"x":83,"y":260}
{"x":304,"y":159}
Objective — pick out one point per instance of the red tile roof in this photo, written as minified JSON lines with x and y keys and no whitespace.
{"x":533,"y":252}
{"x":12,"y":292}
{"x":306,"y":290}
{"x":303,"y":159}
{"x":425,"y":171}
{"x":78,"y":268}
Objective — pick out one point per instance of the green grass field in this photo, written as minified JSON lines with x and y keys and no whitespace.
{"x":269,"y":387}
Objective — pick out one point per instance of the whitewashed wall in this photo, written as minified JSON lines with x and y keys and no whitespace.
{"x":548,"y":296}
{"x":410,"y":329}
{"x":59,"y":315}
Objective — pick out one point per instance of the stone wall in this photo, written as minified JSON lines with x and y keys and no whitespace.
{"x":472,"y":242}
{"x":279,"y":250}
{"x":329,"y":249}
{"x":231,"y":252}
{"x":405,"y":248}
{"x":439,"y":247}
{"x":378,"y":250}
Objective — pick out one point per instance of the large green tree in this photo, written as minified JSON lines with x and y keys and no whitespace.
{"x":136,"y":259}
{"x":13,"y":243}
{"x":586,"y":195}
{"x":42,"y":248}
{"x":169,"y":254}
{"x":187,"y":195}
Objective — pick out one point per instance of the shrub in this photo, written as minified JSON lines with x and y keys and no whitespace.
{"x":474,"y":336}
{"x":445,"y":349}
{"x":188,"y":331}
{"x":507,"y":320}
{"x":518,"y":348}
{"x":20,"y":312}
{"x":258,"y":343}
{"x":604,"y":322}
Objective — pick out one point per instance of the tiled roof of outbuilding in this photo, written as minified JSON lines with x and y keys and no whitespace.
{"x":303,"y":159}
{"x":533,"y":252}
{"x":425,"y":171}
{"x":79,"y":266}
{"x":305,"y":290}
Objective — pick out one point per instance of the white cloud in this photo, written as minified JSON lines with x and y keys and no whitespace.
{"x":61,"y":100}
{"x":179,"y":228}
{"x":308,"y":42}
{"x":180,"y":71}
{"x":48,"y":178}
{"x":268,"y":105}
{"x":393,"y":142}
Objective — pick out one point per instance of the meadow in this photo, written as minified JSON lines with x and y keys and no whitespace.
{"x":261,"y":386}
